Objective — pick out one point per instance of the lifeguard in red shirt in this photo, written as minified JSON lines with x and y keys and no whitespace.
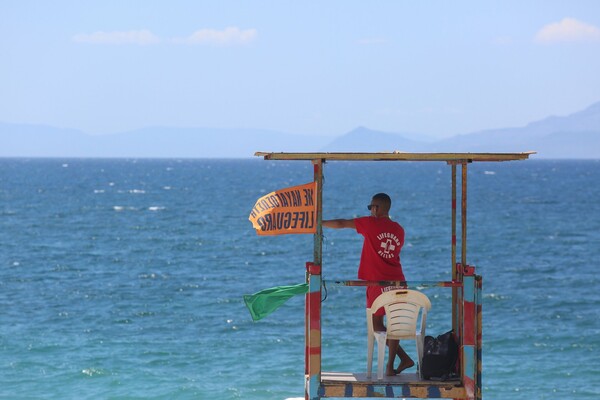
{"x":379,"y":261}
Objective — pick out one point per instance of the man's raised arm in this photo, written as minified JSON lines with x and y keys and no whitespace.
{"x":339,"y":223}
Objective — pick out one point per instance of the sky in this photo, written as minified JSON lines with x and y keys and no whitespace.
{"x":437,"y":68}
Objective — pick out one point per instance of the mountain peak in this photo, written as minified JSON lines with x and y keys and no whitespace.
{"x":593,"y":109}
{"x":587,"y":120}
{"x":363,"y":139}
{"x":360,"y":130}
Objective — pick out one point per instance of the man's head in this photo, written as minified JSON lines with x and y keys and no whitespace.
{"x":380,"y":205}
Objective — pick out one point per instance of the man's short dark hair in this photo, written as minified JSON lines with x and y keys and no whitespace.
{"x":384,"y":199}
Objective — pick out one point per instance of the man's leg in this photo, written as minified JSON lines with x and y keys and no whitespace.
{"x":405,"y":360}
{"x":378,"y":326}
{"x":393,"y":346}
{"x":394,"y":349}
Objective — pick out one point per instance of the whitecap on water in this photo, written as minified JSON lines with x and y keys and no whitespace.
{"x":92,"y":371}
{"x":495,"y":296}
{"x":123,"y":208}
{"x":156,"y":208}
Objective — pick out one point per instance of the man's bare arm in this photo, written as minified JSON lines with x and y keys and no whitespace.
{"x":339,"y":223}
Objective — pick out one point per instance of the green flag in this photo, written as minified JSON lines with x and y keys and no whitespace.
{"x":263,"y":303}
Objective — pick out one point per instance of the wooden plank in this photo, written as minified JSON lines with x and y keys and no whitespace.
{"x":397,"y":156}
{"x":357,"y":385}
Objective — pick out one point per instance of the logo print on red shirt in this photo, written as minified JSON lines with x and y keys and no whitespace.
{"x":389,"y":241}
{"x":388,"y":248}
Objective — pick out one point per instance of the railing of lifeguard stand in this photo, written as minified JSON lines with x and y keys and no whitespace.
{"x":468,"y":304}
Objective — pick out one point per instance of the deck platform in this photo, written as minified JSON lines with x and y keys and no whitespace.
{"x":348,"y":384}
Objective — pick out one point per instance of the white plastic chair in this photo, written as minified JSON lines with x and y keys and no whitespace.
{"x":402,"y":308}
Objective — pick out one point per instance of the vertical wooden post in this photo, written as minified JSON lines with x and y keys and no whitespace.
{"x":313,"y":300}
{"x":463,"y":214}
{"x":463,"y":240}
{"x":455,"y":321}
{"x":478,"y":338}
{"x":313,"y":330}
{"x":465,"y":324}
{"x":318,"y":237}
{"x":454,"y":275}
{"x":471,"y":334}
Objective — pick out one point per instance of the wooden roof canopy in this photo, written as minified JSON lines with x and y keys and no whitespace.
{"x":397,"y":156}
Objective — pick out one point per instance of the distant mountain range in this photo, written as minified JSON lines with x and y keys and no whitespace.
{"x":574,"y":136}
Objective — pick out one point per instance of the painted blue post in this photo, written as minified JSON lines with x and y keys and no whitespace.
{"x":471,"y":333}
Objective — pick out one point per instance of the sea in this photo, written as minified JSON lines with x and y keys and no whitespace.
{"x":124,"y":278}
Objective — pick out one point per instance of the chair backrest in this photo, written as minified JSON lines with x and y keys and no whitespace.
{"x":402,"y":307}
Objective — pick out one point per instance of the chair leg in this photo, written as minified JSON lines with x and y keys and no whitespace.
{"x":370,"y":344}
{"x":419,"y":342}
{"x":381,"y":339}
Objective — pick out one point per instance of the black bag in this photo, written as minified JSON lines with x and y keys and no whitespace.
{"x":439,"y":357}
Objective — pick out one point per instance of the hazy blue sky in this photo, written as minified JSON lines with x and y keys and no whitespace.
{"x":313,"y":67}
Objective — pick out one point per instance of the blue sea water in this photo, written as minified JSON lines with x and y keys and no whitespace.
{"x":123,"y":279}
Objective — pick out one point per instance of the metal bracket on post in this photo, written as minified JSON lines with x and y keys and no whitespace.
{"x":466,"y":270}
{"x":313,"y":269}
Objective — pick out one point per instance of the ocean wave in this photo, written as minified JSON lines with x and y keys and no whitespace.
{"x":92,"y":372}
{"x":121,"y":208}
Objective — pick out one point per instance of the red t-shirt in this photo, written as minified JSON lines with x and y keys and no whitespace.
{"x":380,"y":258}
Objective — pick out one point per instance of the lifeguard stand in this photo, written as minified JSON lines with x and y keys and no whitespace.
{"x":465,"y":286}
